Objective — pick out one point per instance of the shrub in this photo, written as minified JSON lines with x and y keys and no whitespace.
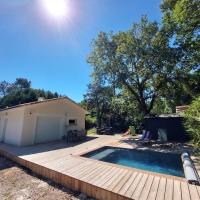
{"x":132,"y":130}
{"x":90,"y":122}
{"x":192,"y":121}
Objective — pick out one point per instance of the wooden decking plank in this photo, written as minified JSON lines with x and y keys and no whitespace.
{"x":136,"y":194}
{"x":146,"y":188}
{"x":122,"y":182}
{"x":185,"y":193}
{"x":68,"y":166}
{"x":113,"y":178}
{"x":90,"y":177}
{"x":117,"y":180}
{"x":102,"y":183}
{"x":58,"y":163}
{"x":104,"y":178}
{"x":97,"y":175}
{"x":78,"y":174}
{"x":134,"y":184}
{"x":45,"y":157}
{"x":101,"y":177}
{"x":81,"y":169}
{"x":84,"y":169}
{"x":128,"y":183}
{"x":109,"y":182}
{"x":154,"y":188}
{"x":193,"y":192}
{"x":76,"y":169}
{"x":161,"y":189}
{"x":198,"y":190}
{"x":177,"y":190}
{"x":169,"y":189}
{"x":93,"y":172}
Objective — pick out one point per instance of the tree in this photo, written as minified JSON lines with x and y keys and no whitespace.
{"x":192,"y":121}
{"x":139,"y":60}
{"x":181,"y":20}
{"x":181,"y":24}
{"x":22,"y":83}
{"x":4,"y":86}
{"x":21,"y":92}
{"x":98,"y":100}
{"x":125,"y":111}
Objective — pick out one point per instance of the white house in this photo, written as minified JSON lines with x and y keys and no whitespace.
{"x":41,"y":121}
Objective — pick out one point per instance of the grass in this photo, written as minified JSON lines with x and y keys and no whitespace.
{"x":92,"y":131}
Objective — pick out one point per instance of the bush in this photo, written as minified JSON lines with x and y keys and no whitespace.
{"x":192,"y":121}
{"x":132,"y":130}
{"x":90,"y":122}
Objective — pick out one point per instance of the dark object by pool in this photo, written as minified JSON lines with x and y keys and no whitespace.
{"x":166,"y":163}
{"x":173,"y":125}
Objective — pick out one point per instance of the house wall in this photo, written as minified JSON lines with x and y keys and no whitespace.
{"x":63,"y":109}
{"x":1,"y":126}
{"x":13,"y":129}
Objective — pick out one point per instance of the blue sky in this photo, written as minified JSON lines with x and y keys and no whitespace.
{"x":52,"y":54}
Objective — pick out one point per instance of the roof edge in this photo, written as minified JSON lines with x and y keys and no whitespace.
{"x":40,"y":102}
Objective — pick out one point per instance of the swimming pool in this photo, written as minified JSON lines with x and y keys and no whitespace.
{"x":165,"y":163}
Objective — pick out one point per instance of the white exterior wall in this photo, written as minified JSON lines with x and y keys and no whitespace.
{"x":13,"y":130}
{"x":1,"y":126}
{"x":62,"y":109}
{"x":22,"y":122}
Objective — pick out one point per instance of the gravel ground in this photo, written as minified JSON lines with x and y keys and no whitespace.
{"x":19,"y":183}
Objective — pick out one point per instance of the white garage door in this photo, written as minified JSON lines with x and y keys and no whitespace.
{"x":3,"y":126}
{"x":1,"y":129}
{"x":48,"y":129}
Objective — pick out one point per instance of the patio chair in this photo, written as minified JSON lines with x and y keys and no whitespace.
{"x":144,"y":132}
{"x":146,"y":137}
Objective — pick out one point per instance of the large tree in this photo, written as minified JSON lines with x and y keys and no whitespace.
{"x":98,"y":99}
{"x":181,"y":24}
{"x":21,"y":92}
{"x":4,"y":87}
{"x":181,"y":21}
{"x":139,"y":60}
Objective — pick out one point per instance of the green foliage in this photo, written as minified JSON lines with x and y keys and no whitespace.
{"x":19,"y":92}
{"x":90,"y":121}
{"x":132,"y":130}
{"x":139,"y":60}
{"x":181,"y":21}
{"x":149,"y":68}
{"x":192,"y":121}
{"x":162,"y":106}
{"x":92,"y":131}
{"x":4,"y":86}
{"x":98,"y":100}
{"x":125,"y":111}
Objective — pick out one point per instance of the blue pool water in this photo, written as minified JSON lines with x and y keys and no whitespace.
{"x":165,"y":163}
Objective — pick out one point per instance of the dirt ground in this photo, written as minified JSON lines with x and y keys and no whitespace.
{"x":19,"y":183}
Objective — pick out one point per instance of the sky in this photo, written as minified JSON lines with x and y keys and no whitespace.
{"x":52,"y":53}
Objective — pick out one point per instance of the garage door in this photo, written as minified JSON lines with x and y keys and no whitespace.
{"x":3,"y":126}
{"x":48,"y":129}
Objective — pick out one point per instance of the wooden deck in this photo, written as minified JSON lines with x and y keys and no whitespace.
{"x":62,"y":163}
